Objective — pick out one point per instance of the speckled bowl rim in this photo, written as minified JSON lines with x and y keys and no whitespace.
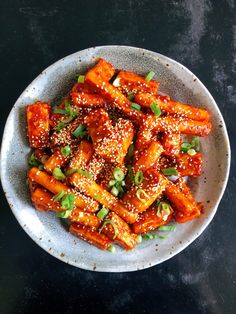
{"x":205,"y":222}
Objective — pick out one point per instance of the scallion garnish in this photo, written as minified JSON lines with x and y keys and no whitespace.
{"x":131,"y":150}
{"x":63,"y":123}
{"x":60,"y":111}
{"x":34,"y":162}
{"x":139,"y":194}
{"x":60,"y":126}
{"x":40,"y":166}
{"x":84,"y":173}
{"x":71,"y":171}
{"x":68,"y":110}
{"x":105,"y":222}
{"x":130,"y":96}
{"x":114,"y":191}
{"x":97,"y":196}
{"x":138,"y":178}
{"x":68,"y":120}
{"x":139,"y":238}
{"x":81,"y":79}
{"x":58,"y":174}
{"x":191,"y":152}
{"x":64,"y":214}
{"x":196,"y":143}
{"x":66,"y":150}
{"x":185,"y":147}
{"x":119,"y":185}
{"x":155,"y":109}
{"x":159,"y":236}
{"x":130,"y":173}
{"x":111,"y":248}
{"x":111,"y":183}
{"x":80,"y":131}
{"x":147,"y":236}
{"x":169,"y":171}
{"x":150,"y":76}
{"x":118,"y":174}
{"x":58,"y":196}
{"x":163,"y":206}
{"x":135,"y":106}
{"x":166,"y":228}
{"x":102,"y":212}
{"x":68,"y":201}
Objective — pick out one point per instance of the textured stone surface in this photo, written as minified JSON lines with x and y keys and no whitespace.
{"x":201,"y":35}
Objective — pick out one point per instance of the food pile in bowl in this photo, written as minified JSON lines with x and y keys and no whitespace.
{"x":111,"y":157}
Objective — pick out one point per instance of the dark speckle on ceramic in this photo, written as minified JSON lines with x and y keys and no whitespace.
{"x":176,"y":81}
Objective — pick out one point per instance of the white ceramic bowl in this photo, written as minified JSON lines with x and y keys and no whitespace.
{"x":48,"y":231}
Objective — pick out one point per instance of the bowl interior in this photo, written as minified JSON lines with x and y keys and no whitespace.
{"x":51,"y":233}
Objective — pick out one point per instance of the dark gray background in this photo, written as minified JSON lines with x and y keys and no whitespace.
{"x":201,"y":34}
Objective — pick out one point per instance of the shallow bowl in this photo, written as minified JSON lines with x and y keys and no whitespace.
{"x":48,"y":231}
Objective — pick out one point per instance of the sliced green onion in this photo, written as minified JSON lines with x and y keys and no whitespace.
{"x":66,"y":150}
{"x":40,"y":166}
{"x":141,"y":192}
{"x":64,"y":214}
{"x":68,"y":120}
{"x":102,"y":212}
{"x":60,"y":126}
{"x":159,"y":236}
{"x":191,"y":152}
{"x":163,"y":206}
{"x":97,"y":196}
{"x":130,"y":173}
{"x":34,"y":162}
{"x":69,"y":109}
{"x":111,"y":183}
{"x":185,"y":147}
{"x":138,"y":178}
{"x":84,"y":173}
{"x":68,"y":201}
{"x":114,"y":191}
{"x":166,"y":228}
{"x":119,"y":187}
{"x":196,"y":143}
{"x":131,"y":150}
{"x":118,"y":174}
{"x":58,"y":196}
{"x":169,"y":171}
{"x":147,"y":236}
{"x":81,"y":79}
{"x":108,"y":221}
{"x":60,"y":111}
{"x":139,"y":238}
{"x":150,"y":76}
{"x":27,"y":182}
{"x":135,"y":106}
{"x":71,"y":171}
{"x":130,"y":96}
{"x":155,"y":109}
{"x":80,"y":131}
{"x":58,"y":174}
{"x":111,"y":248}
